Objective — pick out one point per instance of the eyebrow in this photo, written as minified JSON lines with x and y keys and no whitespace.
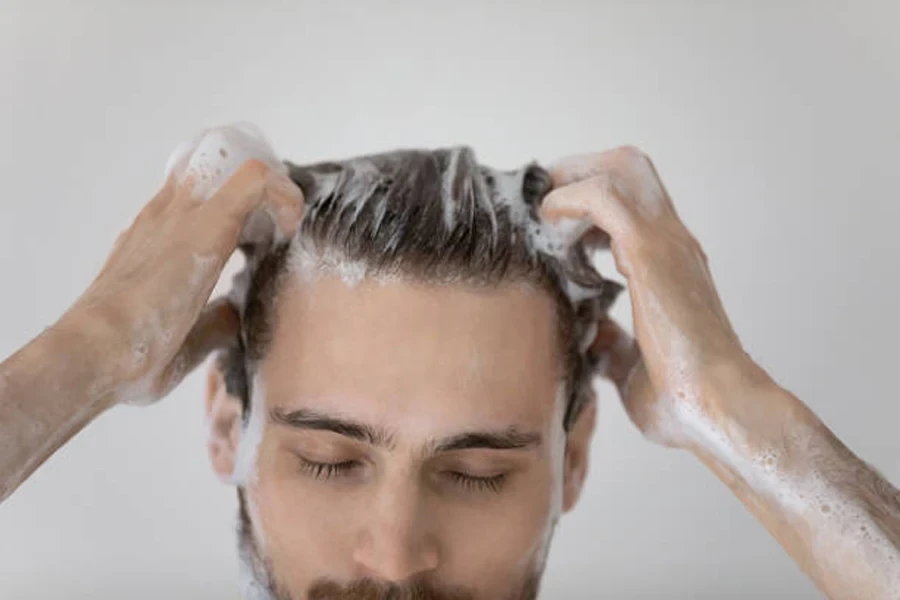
{"x":510,"y":438}
{"x":304,"y":418}
{"x":506,"y":439}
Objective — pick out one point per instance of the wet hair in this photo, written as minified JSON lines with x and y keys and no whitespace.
{"x":431,"y":216}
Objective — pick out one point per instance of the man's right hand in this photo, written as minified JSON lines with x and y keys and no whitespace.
{"x":141,"y":326}
{"x":148,"y":304}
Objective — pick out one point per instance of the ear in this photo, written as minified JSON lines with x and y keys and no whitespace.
{"x":223,"y":412}
{"x":578,"y":450}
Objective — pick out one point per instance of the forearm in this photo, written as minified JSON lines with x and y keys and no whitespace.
{"x":49,"y":390}
{"x":836,"y":516}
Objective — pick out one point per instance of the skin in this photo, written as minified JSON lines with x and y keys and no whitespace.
{"x":685,"y":379}
{"x":440,"y":407}
{"x":686,"y":382}
{"x":128,"y":338}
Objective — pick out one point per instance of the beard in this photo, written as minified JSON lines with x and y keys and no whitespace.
{"x":260,"y":582}
{"x":366,"y":589}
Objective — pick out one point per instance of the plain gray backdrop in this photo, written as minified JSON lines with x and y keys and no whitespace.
{"x":773,"y":124}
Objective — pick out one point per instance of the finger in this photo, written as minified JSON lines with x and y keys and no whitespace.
{"x":146,"y":218}
{"x":221,"y":219}
{"x":162,"y":198}
{"x":255,"y":186}
{"x":621,"y":362}
{"x":635,"y":177}
{"x":638,"y":398}
{"x":578,"y":167}
{"x":242,"y":192}
{"x":284,"y":201}
{"x":254,"y":208}
{"x":615,"y":351}
{"x":120,"y":242}
{"x":583,"y":166}
{"x":217,"y":327}
{"x":592,"y":199}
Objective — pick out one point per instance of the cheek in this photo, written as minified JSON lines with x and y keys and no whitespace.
{"x":305,"y":526}
{"x":492,"y":546}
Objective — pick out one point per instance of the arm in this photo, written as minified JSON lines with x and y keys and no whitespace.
{"x":686,"y":382}
{"x":833,"y":513}
{"x":46,"y":397}
{"x":141,"y":326}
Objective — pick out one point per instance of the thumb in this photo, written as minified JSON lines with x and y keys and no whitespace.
{"x":619,"y":360}
{"x":614,"y":352}
{"x":217,"y":327}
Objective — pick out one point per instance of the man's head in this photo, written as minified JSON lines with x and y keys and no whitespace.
{"x":408,"y":409}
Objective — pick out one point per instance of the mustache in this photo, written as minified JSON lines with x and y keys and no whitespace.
{"x":368,"y":589}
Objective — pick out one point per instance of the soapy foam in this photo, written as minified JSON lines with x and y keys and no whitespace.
{"x":557,"y":462}
{"x":254,"y":577}
{"x":838,"y":523}
{"x":463,"y":181}
{"x":215,"y":154}
{"x":465,"y":188}
{"x":551,"y":238}
{"x":447,"y":191}
{"x":555,"y":238}
{"x":251,"y":585}
{"x":309,"y":265}
{"x":152,"y":337}
{"x":251,"y":437}
{"x":508,"y":193}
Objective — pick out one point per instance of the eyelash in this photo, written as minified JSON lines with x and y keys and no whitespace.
{"x":478,"y":484}
{"x":325,"y":471}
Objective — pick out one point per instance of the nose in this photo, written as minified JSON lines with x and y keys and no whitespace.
{"x":395,"y":543}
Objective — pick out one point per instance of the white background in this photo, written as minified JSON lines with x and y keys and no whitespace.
{"x":774,"y":125}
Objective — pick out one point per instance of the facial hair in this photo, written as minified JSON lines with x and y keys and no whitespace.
{"x":261,"y":584}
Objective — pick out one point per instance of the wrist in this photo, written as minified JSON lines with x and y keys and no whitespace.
{"x":742,"y":410}
{"x":747,"y":413}
{"x":86,"y":343}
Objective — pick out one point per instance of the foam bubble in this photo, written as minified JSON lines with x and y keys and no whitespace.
{"x":555,"y":238}
{"x":557,"y":445}
{"x":215,"y":154}
{"x":841,"y":527}
{"x":251,"y":437}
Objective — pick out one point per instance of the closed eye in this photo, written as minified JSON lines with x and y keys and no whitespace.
{"x":326,"y":470}
{"x":477,"y":484}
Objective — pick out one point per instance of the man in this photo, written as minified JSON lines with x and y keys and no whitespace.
{"x":405,"y":412}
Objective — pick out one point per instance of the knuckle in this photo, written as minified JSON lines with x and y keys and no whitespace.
{"x":636,"y":159}
{"x":255,"y":167}
{"x":697,"y":248}
{"x":132,"y":350}
{"x":600,"y":183}
{"x":632,"y":152}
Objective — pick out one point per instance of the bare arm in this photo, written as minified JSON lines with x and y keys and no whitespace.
{"x":45,"y":398}
{"x":835,"y":515}
{"x":687,"y":383}
{"x":141,"y":326}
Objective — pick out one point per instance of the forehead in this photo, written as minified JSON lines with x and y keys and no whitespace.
{"x":392,"y":350}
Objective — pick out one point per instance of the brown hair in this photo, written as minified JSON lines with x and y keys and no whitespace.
{"x":435,"y":216}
